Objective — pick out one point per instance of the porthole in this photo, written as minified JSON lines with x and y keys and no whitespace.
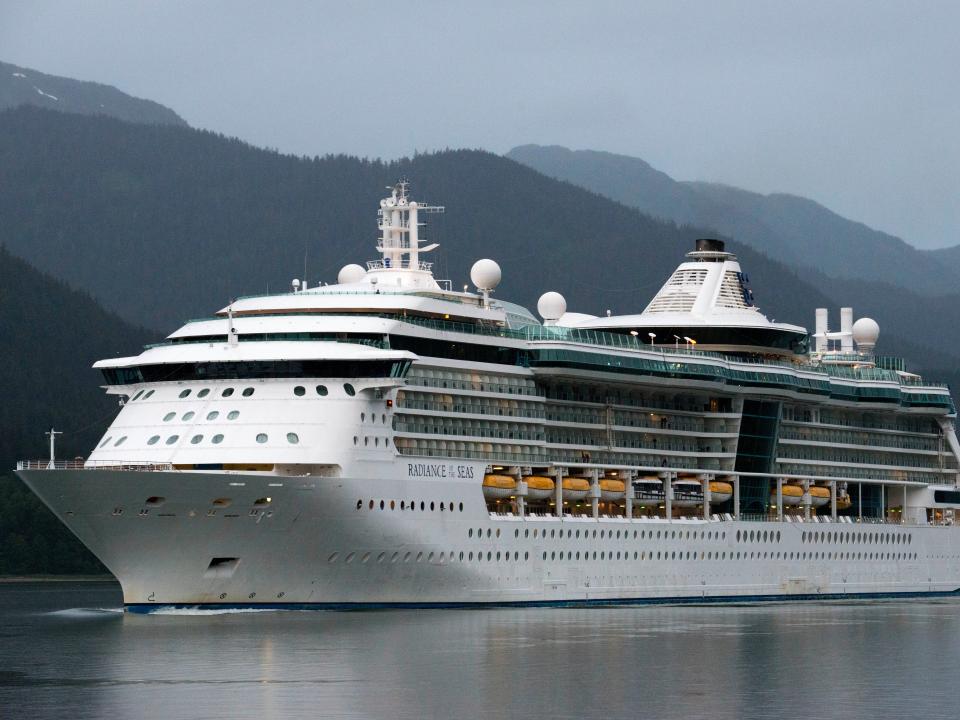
{"x":470,"y":533}
{"x":217,"y":439}
{"x":136,"y":397}
{"x":213,"y":415}
{"x":184,"y":393}
{"x":247,"y":392}
{"x":149,"y":393}
{"x":172,"y":439}
{"x":196,"y":439}
{"x":227,"y":392}
{"x":187,"y":416}
{"x":233,"y":415}
{"x":203,"y":393}
{"x":103,"y":444}
{"x":120,"y":442}
{"x":169,"y":416}
{"x":299,"y":391}
{"x":321,"y":390}
{"x":293,"y":438}
{"x":153,"y":440}
{"x":261,"y":438}
{"x":349,"y":389}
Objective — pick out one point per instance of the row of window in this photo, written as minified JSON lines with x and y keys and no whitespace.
{"x":611,"y":534}
{"x":553,"y":555}
{"x":412,"y":505}
{"x":190,"y":414}
{"x":261,"y":438}
{"x":376,"y":441}
{"x":298,"y":390}
{"x":872,"y":538}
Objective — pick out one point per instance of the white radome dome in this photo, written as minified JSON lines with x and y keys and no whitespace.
{"x":551,"y":306}
{"x":866,"y":331}
{"x":485,"y":274}
{"x":350,"y":274}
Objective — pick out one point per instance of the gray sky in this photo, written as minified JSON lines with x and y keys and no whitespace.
{"x":852,"y":103}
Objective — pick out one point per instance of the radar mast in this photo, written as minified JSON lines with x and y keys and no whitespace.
{"x":399,"y":226}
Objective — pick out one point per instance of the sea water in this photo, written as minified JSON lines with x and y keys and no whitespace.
{"x":68,"y":651}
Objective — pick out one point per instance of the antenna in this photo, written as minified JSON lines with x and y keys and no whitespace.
{"x":232,"y":338}
{"x":53,"y":440}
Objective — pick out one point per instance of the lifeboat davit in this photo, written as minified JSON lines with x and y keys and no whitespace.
{"x":720,"y":492}
{"x":687,"y":493}
{"x":791,"y":494}
{"x":499,"y":487}
{"x":612,"y":489}
{"x":575,"y":488}
{"x":819,"y":496}
{"x":539,"y":487}
{"x":648,"y":490}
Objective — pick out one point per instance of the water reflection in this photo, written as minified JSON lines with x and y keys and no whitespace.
{"x":67,"y":647}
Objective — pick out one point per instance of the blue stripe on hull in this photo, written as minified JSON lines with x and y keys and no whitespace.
{"x":146,"y":608}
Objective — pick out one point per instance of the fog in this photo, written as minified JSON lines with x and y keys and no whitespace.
{"x":853,"y":104}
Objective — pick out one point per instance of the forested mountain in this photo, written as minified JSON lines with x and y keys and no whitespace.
{"x":162,"y":223}
{"x":23,"y":86}
{"x":49,"y":337}
{"x":794,"y":230}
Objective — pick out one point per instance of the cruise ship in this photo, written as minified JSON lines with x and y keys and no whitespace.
{"x":391,"y":441}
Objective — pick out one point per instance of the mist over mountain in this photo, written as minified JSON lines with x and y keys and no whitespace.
{"x":23,"y":86}
{"x":794,"y":230}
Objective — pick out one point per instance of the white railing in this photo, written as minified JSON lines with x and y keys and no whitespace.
{"x":91,"y":465}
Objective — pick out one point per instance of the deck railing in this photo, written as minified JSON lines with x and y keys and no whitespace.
{"x":92,"y":465}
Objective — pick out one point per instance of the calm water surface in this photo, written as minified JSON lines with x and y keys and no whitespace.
{"x":66,"y":651}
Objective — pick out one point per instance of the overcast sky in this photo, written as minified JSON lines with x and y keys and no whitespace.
{"x":852,"y":103}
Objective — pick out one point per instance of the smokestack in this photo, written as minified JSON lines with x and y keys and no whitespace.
{"x":846,"y":329}
{"x":820,"y":340}
{"x":709,"y":245}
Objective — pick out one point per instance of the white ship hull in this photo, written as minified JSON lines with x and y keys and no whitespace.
{"x":312,"y":545}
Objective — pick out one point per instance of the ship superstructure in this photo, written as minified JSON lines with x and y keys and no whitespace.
{"x":387,"y":440}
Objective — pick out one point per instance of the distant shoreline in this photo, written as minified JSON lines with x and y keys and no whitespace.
{"x":10,"y":579}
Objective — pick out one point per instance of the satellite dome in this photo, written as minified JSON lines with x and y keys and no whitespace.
{"x":350,"y":274}
{"x":551,"y":306}
{"x":485,"y":274}
{"x":866,"y":331}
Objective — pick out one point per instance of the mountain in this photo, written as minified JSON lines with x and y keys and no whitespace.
{"x":23,"y":86}
{"x":164,"y":223}
{"x":49,"y":337}
{"x":794,"y":230}
{"x":948,"y":258}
